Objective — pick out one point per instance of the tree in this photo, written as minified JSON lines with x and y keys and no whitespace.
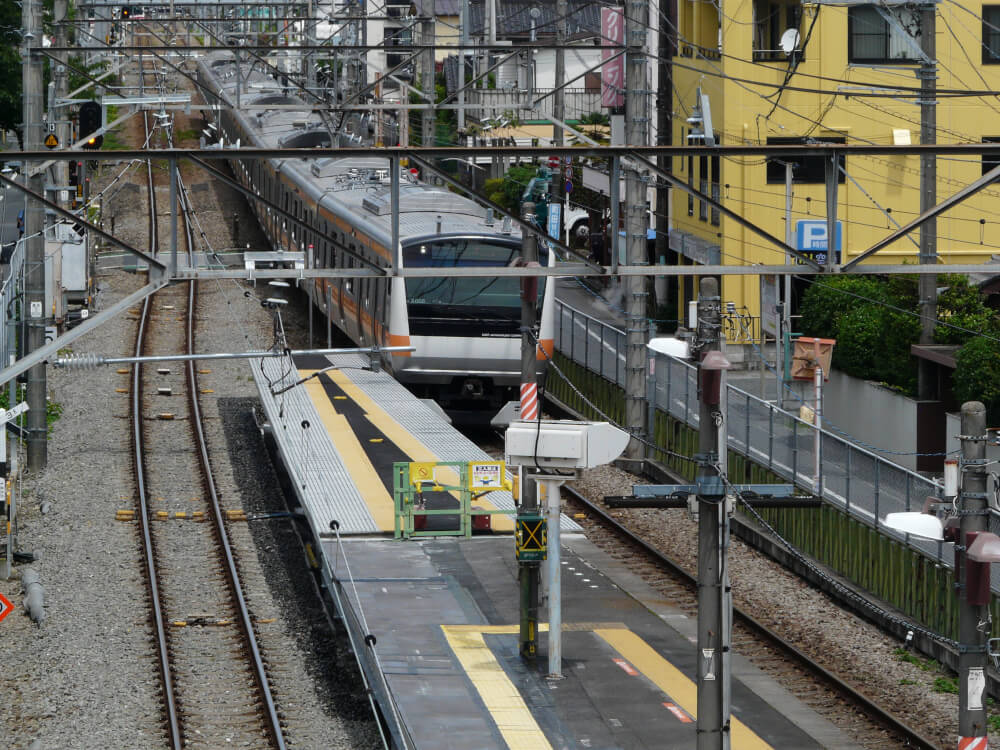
{"x":10,"y":67}
{"x":961,"y":305}
{"x":508,"y":190}
{"x":977,"y":373}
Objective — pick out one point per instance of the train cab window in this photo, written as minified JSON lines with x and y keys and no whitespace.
{"x":486,"y":301}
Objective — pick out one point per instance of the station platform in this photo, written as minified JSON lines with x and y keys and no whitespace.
{"x":340,"y":430}
{"x":434,"y":620}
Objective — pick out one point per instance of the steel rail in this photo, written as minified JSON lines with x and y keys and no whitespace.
{"x":219,"y":526}
{"x":139,"y":467}
{"x":912,"y":737}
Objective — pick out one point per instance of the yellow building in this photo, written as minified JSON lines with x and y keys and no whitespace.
{"x":837,"y":84}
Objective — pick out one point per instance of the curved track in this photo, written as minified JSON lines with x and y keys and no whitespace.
{"x":216,"y":691}
{"x":750,"y":637}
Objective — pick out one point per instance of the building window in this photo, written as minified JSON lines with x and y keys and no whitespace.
{"x":872,"y":39}
{"x":805,"y":169}
{"x":991,"y":34}
{"x":991,"y":161}
{"x":771,"y":19}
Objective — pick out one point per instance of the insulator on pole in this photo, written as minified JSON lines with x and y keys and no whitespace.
{"x":80,"y":361}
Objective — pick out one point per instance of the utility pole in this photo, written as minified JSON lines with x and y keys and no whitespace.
{"x":428,"y":116}
{"x":928,"y":195}
{"x":34,"y":218}
{"x":528,"y":571}
{"x":636,"y":223}
{"x":559,"y":111}
{"x":60,"y":114}
{"x":714,"y":603}
{"x":973,"y":613}
{"x":666,"y":48}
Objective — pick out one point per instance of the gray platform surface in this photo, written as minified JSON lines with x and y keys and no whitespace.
{"x":444,"y":614}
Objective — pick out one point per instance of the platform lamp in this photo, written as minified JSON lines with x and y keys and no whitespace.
{"x":976,"y":549}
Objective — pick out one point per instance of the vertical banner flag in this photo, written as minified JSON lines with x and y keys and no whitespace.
{"x":612,"y":73}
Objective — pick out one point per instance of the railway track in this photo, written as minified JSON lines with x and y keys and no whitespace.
{"x":827,"y":693}
{"x":215,"y":686}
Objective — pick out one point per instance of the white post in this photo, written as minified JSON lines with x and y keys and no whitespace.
{"x":554,"y":576}
{"x":818,"y":422}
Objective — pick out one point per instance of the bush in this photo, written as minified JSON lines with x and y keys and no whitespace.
{"x":827,"y":299}
{"x":868,"y":318}
{"x":977,"y":375}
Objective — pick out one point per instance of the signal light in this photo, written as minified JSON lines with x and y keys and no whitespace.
{"x":126,"y":11}
{"x":90,"y":120}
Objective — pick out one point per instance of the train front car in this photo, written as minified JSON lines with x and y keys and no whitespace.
{"x":465,"y":330}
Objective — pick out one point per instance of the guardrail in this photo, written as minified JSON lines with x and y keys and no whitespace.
{"x":852,"y":478}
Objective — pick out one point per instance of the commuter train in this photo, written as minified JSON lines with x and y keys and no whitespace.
{"x":465,"y":331}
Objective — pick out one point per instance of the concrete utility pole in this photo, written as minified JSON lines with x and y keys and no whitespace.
{"x":927,"y":286}
{"x":636,"y":223}
{"x":60,"y":115}
{"x":714,"y":603}
{"x":559,"y":110}
{"x":34,"y":218}
{"x":973,"y":613}
{"x":667,"y":44}
{"x":428,"y":116}
{"x":528,"y":573}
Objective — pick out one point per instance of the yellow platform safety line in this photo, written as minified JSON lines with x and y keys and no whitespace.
{"x":673,"y":682}
{"x":502,"y":699}
{"x":363,"y":474}
{"x":511,"y":714}
{"x":405,"y":441}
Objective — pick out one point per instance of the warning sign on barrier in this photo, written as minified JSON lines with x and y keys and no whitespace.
{"x":5,"y":607}
{"x":485,"y":475}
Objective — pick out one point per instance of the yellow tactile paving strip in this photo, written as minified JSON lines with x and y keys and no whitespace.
{"x":512,"y":716}
{"x":673,"y":682}
{"x":378,"y":499}
{"x":363,"y":474}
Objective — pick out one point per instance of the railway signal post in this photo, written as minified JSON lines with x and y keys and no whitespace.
{"x":528,"y":570}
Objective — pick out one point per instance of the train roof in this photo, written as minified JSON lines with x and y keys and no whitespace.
{"x":356,"y":187}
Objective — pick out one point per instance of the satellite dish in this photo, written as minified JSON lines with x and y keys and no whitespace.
{"x":789,"y":41}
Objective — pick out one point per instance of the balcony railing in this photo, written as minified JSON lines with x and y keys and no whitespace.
{"x":491,"y":104}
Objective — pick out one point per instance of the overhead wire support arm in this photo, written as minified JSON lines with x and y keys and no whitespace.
{"x":525,"y":226}
{"x":575,"y":78}
{"x":218,"y":174}
{"x":967,"y":192}
{"x":69,"y":216}
{"x":371,"y":86}
{"x":481,"y":76}
{"x":728,"y":212}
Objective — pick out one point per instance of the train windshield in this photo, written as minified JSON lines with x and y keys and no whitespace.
{"x":464,"y":297}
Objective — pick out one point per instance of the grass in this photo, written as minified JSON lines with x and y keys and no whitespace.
{"x":946,"y":685}
{"x":53,"y":409}
{"x":926,"y":665}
